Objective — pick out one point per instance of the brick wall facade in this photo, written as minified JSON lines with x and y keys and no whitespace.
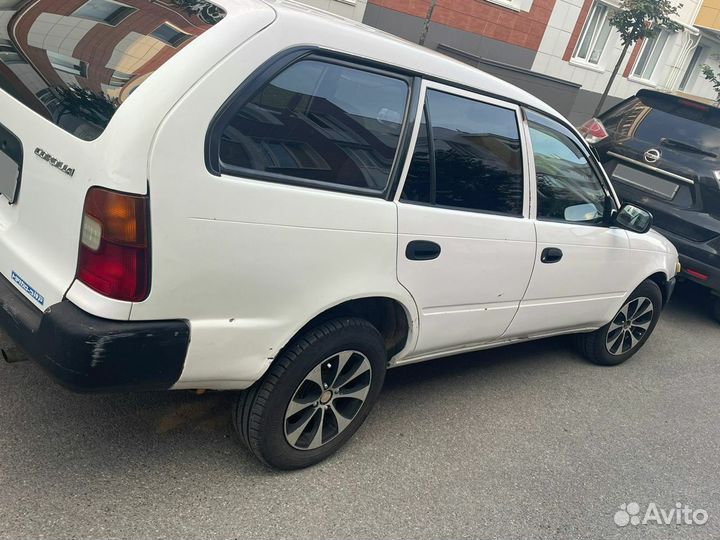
{"x":523,"y":29}
{"x":97,"y":45}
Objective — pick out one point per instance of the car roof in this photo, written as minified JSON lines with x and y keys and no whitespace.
{"x":679,"y":95}
{"x":405,"y":54}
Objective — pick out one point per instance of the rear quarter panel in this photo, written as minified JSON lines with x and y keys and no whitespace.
{"x":250,"y":262}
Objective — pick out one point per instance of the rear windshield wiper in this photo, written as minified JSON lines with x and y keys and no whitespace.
{"x":686,"y":147}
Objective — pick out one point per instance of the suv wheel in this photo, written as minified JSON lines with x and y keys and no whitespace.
{"x":628,"y":331}
{"x":716,"y":308}
{"x":315,"y":396}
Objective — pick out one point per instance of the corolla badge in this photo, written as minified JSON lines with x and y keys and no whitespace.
{"x":652,"y":155}
{"x":59,"y":165}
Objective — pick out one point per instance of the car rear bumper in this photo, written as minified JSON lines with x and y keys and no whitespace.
{"x":88,"y":354}
{"x":700,"y":272}
{"x":698,"y":260}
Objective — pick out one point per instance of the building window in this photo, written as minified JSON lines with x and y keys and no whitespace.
{"x":167,"y":33}
{"x":516,"y":5}
{"x":649,"y":56}
{"x":693,"y":69}
{"x":594,"y":36}
{"x":49,"y":99}
{"x":67,"y":64}
{"x":104,"y":11}
{"x":9,"y":54}
{"x":119,"y":79}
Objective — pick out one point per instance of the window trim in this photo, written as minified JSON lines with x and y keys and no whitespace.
{"x":583,"y":62}
{"x":275,"y":64}
{"x":268,"y":72}
{"x":655,"y":40}
{"x":431,"y":153}
{"x":429,"y":84}
{"x":595,"y":166}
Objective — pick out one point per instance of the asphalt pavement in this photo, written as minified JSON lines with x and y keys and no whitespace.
{"x":527,"y":441}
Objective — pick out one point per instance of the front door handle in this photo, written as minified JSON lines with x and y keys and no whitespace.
{"x":551,"y":255}
{"x":422,"y":250}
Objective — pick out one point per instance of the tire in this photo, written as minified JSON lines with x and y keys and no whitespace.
{"x":716,"y":308}
{"x":347,"y":356}
{"x":614,"y":343}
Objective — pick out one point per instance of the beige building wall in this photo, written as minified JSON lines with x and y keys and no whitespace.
{"x":709,"y":15}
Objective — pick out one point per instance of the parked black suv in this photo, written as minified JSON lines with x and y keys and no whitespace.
{"x":662,"y":152}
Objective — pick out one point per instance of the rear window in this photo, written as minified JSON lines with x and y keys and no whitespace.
{"x":652,"y":115}
{"x":75,"y":62}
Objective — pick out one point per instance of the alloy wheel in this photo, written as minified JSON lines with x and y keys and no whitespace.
{"x":629,"y":326}
{"x":327,"y":400}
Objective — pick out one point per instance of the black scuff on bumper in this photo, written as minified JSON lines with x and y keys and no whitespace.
{"x":669,"y":290}
{"x":86,"y":353}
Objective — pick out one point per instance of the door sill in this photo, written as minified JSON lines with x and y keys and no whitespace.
{"x":482,"y":346}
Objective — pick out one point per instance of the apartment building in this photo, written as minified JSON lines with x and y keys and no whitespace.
{"x":561,"y":50}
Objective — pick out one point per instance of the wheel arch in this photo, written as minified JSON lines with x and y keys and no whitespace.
{"x":661,"y":280}
{"x":392,"y":317}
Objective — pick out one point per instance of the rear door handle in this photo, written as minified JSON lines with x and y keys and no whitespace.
{"x":551,"y":255}
{"x":422,"y":250}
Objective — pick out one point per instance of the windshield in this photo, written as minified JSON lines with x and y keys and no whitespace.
{"x":76,"y":61}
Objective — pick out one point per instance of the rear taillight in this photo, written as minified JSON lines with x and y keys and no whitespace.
{"x":114,"y":245}
{"x":593,"y":131}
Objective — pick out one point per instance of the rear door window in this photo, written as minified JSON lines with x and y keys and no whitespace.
{"x":321,"y":123}
{"x":468,"y":156}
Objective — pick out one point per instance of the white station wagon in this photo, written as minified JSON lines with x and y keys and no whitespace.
{"x":258,"y":196}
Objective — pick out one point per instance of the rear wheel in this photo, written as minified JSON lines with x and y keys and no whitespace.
{"x":315,"y":396}
{"x":628,"y":331}
{"x":716,"y":308}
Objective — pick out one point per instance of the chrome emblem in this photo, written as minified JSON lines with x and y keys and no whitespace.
{"x":59,"y":165}
{"x":652,"y":155}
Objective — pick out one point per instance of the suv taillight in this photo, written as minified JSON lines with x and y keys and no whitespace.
{"x":114,"y":245}
{"x":593,"y":131}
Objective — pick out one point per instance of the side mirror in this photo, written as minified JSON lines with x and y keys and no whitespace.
{"x":581,"y":213}
{"x":633,"y":219}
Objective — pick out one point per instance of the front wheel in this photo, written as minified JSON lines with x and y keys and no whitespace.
{"x":628,"y":331}
{"x":315,"y":396}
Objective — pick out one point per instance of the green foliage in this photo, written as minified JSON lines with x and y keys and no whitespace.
{"x":208,"y":12}
{"x":642,"y":19}
{"x":82,"y":103}
{"x":711,"y":76}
